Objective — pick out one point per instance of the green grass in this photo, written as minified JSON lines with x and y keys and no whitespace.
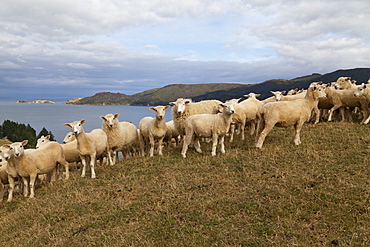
{"x":315,"y":194}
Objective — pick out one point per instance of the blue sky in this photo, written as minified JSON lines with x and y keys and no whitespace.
{"x":67,"y":48}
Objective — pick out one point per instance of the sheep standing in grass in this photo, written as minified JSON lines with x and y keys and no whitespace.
{"x":287,"y":113}
{"x":90,"y":146}
{"x":183,"y":108}
{"x":3,"y":176}
{"x":122,"y":136}
{"x":153,"y":130}
{"x":341,"y":99}
{"x":30,"y":163}
{"x":172,"y":133}
{"x":213,"y":126}
{"x":69,"y":150}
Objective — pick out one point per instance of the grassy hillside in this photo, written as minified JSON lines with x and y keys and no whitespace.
{"x":220,"y":91}
{"x":315,"y":194}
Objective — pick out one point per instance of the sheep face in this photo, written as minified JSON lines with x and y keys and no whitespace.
{"x":180,"y":105}
{"x":360,"y":91}
{"x":42,"y":141}
{"x":228,"y":108}
{"x":252,"y":95}
{"x":278,"y":94}
{"x":69,"y":137}
{"x":110,"y":120}
{"x":76,"y":127}
{"x":15,"y":149}
{"x":159,"y":111}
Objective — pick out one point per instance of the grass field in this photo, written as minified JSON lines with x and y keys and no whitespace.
{"x":315,"y":194}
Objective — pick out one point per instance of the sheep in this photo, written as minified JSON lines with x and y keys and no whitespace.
{"x":287,"y":113}
{"x":208,"y":125}
{"x":153,"y":129}
{"x":346,"y":98}
{"x":90,"y":145}
{"x":183,"y":108}
{"x":122,"y":136}
{"x":69,"y":137}
{"x":30,"y":163}
{"x":70,"y":152}
{"x":3,"y":176}
{"x":171,"y":133}
{"x":345,"y":83}
{"x":246,"y":111}
{"x":13,"y":176}
{"x":363,"y":91}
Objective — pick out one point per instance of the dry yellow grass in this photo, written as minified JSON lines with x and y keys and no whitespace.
{"x":315,"y":194}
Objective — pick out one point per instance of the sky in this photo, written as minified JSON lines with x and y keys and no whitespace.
{"x":68,"y":48}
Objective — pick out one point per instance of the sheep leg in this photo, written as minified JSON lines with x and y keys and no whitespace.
{"x":25,"y":189}
{"x":92,"y":165}
{"x":197,"y":144}
{"x":317,"y":114}
{"x":232,"y":130}
{"x":83,"y":161}
{"x":263,"y":134}
{"x":222,"y":144}
{"x":214,"y":144}
{"x":160,"y":146}
{"x":242,"y":128}
{"x":151,"y":141}
{"x":297,"y":138}
{"x":2,"y":191}
{"x":253,"y":127}
{"x":11,"y":188}
{"x":187,"y":140}
{"x":331,"y":111}
{"x":32,"y":185}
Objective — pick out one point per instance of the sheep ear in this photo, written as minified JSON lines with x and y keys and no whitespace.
{"x":258,"y":95}
{"x":83,"y":121}
{"x":172,"y":103}
{"x":116,"y":115}
{"x":48,"y":137}
{"x":364,"y":85}
{"x":153,"y":109}
{"x":24,"y":143}
{"x":283,"y":92}
{"x":188,"y":101}
{"x":166,"y":107}
{"x":103,"y":118}
{"x":68,"y":125}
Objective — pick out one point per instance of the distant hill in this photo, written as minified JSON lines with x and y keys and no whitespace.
{"x":220,"y":91}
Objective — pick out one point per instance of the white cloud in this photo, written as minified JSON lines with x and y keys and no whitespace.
{"x":96,"y":44}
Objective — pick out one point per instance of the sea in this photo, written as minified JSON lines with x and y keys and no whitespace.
{"x":53,"y":116}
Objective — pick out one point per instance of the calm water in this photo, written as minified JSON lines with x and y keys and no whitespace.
{"x":53,"y":116}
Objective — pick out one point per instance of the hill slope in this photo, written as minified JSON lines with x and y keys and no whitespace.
{"x":220,"y":91}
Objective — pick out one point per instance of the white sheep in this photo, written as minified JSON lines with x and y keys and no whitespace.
{"x":172,"y":133}
{"x":345,"y":83}
{"x":122,"y":136}
{"x":341,"y":99}
{"x":183,"y":108}
{"x":3,"y":176}
{"x":30,"y":163}
{"x":153,"y":130}
{"x":70,"y":152}
{"x":287,"y":113}
{"x":13,"y":176}
{"x":363,"y":91}
{"x":69,"y":137}
{"x":213,"y":126}
{"x":90,"y":145}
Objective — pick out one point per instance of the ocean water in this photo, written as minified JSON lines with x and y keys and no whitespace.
{"x":53,"y":116}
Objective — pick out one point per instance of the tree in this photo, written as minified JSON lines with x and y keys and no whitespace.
{"x":45,"y":132}
{"x":17,"y":132}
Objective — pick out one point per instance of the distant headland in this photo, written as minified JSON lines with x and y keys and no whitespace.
{"x":36,"y":102}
